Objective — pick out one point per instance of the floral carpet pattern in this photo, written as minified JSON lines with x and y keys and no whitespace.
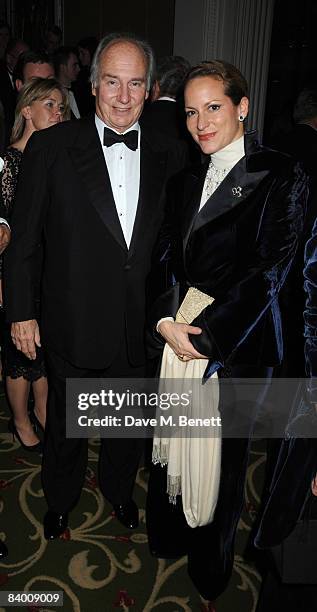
{"x":98,"y":564}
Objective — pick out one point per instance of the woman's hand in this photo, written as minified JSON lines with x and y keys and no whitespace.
{"x":26,"y":337}
{"x":176,"y":336}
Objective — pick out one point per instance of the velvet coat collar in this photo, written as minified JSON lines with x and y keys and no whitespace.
{"x":236,"y":187}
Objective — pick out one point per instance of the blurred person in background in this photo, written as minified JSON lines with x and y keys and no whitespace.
{"x":82,"y":87}
{"x":5,"y":35}
{"x":301,"y":143}
{"x":32,"y":64}
{"x":41,"y":104}
{"x":7,"y":88}
{"x":67,"y":68}
{"x":53,"y":39}
{"x":164,"y":112}
{"x":3,"y":547}
{"x":287,"y":527}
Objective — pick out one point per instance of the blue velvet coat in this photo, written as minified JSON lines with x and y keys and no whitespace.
{"x":238,"y":249}
{"x":310,"y":314}
{"x":296,"y":466}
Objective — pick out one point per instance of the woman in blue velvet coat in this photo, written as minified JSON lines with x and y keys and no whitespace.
{"x":294,"y":481}
{"x":231,"y":231}
{"x":296,"y":465}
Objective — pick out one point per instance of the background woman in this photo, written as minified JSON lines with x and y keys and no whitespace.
{"x":41,"y":104}
{"x":3,"y":547}
{"x":232,"y":235}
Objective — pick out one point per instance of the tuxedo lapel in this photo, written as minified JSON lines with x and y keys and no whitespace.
{"x":88,"y":159}
{"x":152,"y":179}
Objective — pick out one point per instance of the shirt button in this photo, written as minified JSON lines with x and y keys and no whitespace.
{"x":120,"y":185}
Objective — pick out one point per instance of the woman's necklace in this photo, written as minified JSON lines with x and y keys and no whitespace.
{"x":213,"y":178}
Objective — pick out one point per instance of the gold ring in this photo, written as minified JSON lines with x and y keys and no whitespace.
{"x":181,"y":357}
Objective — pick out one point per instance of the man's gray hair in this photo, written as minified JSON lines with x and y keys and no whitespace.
{"x":114,"y":38}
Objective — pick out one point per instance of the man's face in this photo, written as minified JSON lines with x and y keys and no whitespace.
{"x":52,"y":42}
{"x":121,"y":89}
{"x":32,"y":70}
{"x":13,"y":55}
{"x":72,"y":67}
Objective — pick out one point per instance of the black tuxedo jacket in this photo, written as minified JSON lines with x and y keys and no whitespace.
{"x":165,"y":116}
{"x":169,"y":118}
{"x":238,"y":249}
{"x":93,"y":286}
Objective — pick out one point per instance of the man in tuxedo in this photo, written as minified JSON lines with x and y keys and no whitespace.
{"x":166,"y":111}
{"x":92,"y":193}
{"x":67,"y":69}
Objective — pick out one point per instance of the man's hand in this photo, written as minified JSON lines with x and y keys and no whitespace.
{"x":5,"y":235}
{"x":176,"y":336}
{"x":26,"y":336}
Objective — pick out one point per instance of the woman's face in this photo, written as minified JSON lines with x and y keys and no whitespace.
{"x":47,"y":112}
{"x":212,"y":118}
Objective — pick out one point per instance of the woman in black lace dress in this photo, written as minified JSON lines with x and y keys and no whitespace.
{"x":41,"y":104}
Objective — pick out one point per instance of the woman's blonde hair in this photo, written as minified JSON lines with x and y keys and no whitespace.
{"x":36,"y":89}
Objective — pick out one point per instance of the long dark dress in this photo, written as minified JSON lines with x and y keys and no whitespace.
{"x":15,"y":363}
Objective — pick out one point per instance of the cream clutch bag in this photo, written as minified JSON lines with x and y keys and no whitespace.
{"x":193,"y":304}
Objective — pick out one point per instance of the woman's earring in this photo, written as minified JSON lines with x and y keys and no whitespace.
{"x":241,"y":118}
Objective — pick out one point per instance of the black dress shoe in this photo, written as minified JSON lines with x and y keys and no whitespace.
{"x":127,"y":514}
{"x":3,"y":550}
{"x":54,"y":524}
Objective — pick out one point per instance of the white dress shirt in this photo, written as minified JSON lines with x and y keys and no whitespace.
{"x":124,"y":171}
{"x":73,"y":104}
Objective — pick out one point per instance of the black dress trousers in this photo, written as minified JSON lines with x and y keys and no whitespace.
{"x":65,"y":459}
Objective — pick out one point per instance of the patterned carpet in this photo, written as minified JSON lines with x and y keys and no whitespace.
{"x":98,"y":564}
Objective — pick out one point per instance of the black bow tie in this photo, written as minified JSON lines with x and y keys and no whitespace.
{"x":130,"y":139}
